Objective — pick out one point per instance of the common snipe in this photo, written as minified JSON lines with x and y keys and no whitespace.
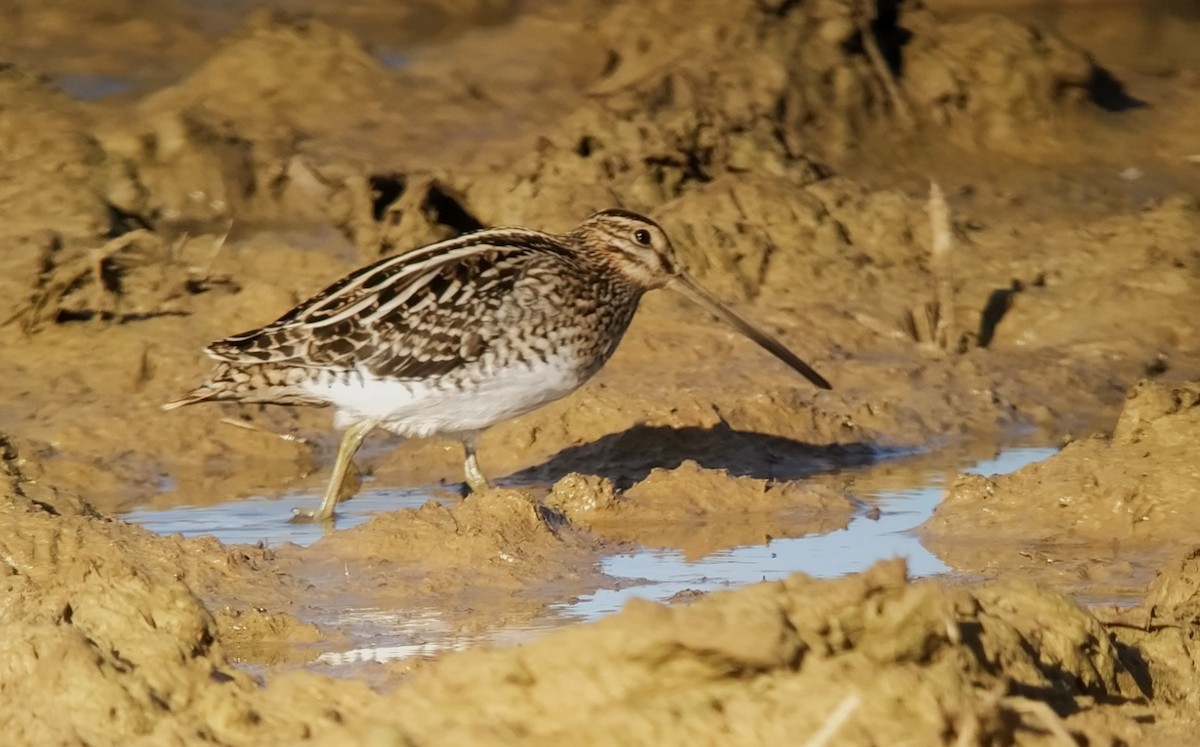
{"x":451,"y":338}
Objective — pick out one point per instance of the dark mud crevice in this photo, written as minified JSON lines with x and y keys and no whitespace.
{"x":121,"y":222}
{"x":442,"y":207}
{"x":385,"y":190}
{"x":1109,"y":94}
{"x":448,"y":210}
{"x":67,"y":316}
{"x":889,"y":35}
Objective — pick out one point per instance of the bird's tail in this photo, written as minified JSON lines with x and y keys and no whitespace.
{"x":201,"y":393}
{"x":251,"y":384}
{"x":222,"y":383}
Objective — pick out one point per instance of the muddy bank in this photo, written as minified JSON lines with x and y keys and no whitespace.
{"x":95,"y":612}
{"x":107,"y":642}
{"x":1132,"y":492}
{"x":699,"y":511}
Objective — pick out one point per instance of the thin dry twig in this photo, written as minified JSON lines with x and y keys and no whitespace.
{"x":76,"y":272}
{"x":932,"y":323}
{"x":941,"y":262}
{"x":883,"y":329}
{"x":836,"y":721}
{"x":211,"y":259}
{"x":259,"y":429}
{"x":1146,"y":618}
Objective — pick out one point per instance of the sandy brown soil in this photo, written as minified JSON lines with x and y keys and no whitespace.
{"x":1135,"y":493}
{"x":247,"y":159}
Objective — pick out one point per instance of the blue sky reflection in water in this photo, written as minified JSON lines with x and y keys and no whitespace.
{"x":652,"y":574}
{"x":659,"y":574}
{"x":265,"y":520}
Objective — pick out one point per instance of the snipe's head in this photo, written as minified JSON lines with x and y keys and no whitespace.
{"x":638,"y":250}
{"x":633,"y":246}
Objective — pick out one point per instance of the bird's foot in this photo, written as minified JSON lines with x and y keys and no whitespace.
{"x":308,"y":516}
{"x":476,"y":481}
{"x":477,"y":484}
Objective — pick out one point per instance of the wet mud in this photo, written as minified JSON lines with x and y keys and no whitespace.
{"x":188,"y":171}
{"x":1134,"y":491}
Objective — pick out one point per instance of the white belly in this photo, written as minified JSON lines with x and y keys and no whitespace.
{"x":419,"y":409}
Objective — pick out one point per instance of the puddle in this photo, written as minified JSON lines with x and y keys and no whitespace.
{"x":661,"y":574}
{"x":265,"y":520}
{"x":83,"y":87}
{"x":393,"y":59}
{"x":383,"y":635}
{"x":421,"y":634}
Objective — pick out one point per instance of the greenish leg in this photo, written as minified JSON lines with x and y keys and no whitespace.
{"x":351,"y":440}
{"x":475,"y":479}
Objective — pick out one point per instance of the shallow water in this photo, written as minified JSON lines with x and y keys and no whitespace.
{"x":385,"y":635}
{"x":883,"y":529}
{"x":263,"y":520}
{"x":93,"y":87}
{"x":661,"y":574}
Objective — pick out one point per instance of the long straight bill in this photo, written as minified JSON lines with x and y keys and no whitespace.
{"x":688,"y":287}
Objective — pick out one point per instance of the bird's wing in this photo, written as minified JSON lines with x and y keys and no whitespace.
{"x":404,"y":317}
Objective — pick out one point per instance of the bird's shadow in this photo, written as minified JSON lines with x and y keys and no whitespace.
{"x":628,"y":457}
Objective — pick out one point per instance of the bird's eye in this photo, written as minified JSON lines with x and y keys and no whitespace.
{"x":642,"y":236}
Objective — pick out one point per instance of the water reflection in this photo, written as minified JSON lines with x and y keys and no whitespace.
{"x":264,"y":520}
{"x":382,"y":635}
{"x":660,"y":574}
